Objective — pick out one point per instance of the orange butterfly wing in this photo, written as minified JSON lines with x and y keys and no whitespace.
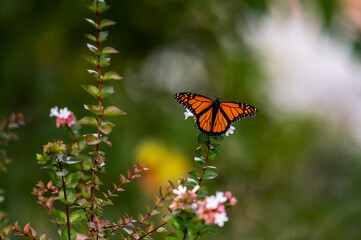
{"x":200,"y":106}
{"x":230,"y":112}
{"x":214,"y":118}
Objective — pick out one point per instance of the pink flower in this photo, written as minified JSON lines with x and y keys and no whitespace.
{"x":230,"y":131}
{"x":185,"y":199}
{"x":231,"y":200}
{"x":212,"y":209}
{"x":63,"y":116}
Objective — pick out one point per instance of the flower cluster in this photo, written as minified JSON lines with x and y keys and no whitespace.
{"x":212,"y":209}
{"x":185,"y":199}
{"x":63,"y":116}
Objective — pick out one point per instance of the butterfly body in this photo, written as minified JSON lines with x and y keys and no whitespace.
{"x":213,"y":117}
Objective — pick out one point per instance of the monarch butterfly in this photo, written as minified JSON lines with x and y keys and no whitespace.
{"x":214,"y":118}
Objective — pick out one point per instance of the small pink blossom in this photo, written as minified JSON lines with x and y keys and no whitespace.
{"x":63,"y":116}
{"x":231,"y":200}
{"x":230,"y":131}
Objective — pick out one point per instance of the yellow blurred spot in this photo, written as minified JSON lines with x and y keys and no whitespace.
{"x":163,"y":162}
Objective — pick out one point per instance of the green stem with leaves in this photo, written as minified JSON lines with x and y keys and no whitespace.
{"x":100,"y":116}
{"x":66,"y":205}
{"x":205,"y":163}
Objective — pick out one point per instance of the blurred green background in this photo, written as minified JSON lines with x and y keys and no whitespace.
{"x":296,"y":174}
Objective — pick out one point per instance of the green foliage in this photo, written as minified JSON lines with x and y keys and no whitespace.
{"x":59,"y":215}
{"x":64,"y":233}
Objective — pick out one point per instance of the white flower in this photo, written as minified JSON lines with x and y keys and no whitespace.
{"x":220,"y":219}
{"x":230,"y":131}
{"x":196,"y":188}
{"x":188,"y":114}
{"x":214,"y":200}
{"x":194,"y":206}
{"x":62,"y":113}
{"x":220,"y":197}
{"x":180,"y":190}
{"x":54,"y":112}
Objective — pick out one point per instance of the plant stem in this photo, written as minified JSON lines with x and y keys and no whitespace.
{"x":96,"y":155}
{"x":150,"y":213}
{"x":185,"y":233}
{"x":66,"y":205}
{"x":155,"y":229}
{"x":197,"y":235}
{"x":205,"y":163}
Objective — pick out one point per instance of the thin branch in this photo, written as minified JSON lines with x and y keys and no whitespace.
{"x":149,"y":214}
{"x":155,"y":229}
{"x":197,"y":235}
{"x":205,"y":163}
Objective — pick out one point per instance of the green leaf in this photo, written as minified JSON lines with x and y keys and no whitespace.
{"x":104,"y":61}
{"x":113,"y":111}
{"x":201,"y":154}
{"x":90,"y":121}
{"x":91,"y":89}
{"x":194,"y":174}
{"x":106,"y":23}
{"x":209,"y":175}
{"x":77,"y":216}
{"x":43,"y":237}
{"x":161,"y":229}
{"x":203,"y":139}
{"x":106,"y":91}
{"x":192,"y":183}
{"x":213,"y":153}
{"x":107,"y":128}
{"x":72,"y":179}
{"x":91,"y":139}
{"x":177,"y":222}
{"x":106,"y":140}
{"x":199,"y":162}
{"x":127,"y":230}
{"x":94,"y":109}
{"x":100,"y":7}
{"x":216,"y":146}
{"x":61,"y":173}
{"x":70,"y":195}
{"x":109,"y":50}
{"x":91,"y":60}
{"x":93,"y":48}
{"x":103,"y":36}
{"x":111,"y":76}
{"x":94,"y":74}
{"x":64,"y":233}
{"x":56,"y":179}
{"x":90,"y":37}
{"x":59,"y":215}
{"x":92,"y":22}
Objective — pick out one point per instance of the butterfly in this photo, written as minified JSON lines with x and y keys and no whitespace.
{"x":213,"y":117}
